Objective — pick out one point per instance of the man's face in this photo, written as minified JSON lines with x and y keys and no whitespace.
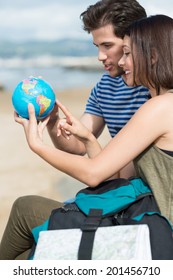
{"x":109,"y":49}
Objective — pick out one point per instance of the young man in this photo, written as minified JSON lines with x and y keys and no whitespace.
{"x":111,"y":103}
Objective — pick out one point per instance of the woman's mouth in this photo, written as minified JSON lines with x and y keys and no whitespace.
{"x":126,"y":72}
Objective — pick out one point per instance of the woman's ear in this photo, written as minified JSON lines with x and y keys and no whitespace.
{"x":154,"y":56}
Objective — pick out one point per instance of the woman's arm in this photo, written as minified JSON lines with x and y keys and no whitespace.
{"x":138,"y":134}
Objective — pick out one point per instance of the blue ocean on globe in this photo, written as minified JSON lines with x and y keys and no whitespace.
{"x":36,"y":91}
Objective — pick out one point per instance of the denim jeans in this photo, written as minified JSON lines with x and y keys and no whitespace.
{"x":27,"y":212}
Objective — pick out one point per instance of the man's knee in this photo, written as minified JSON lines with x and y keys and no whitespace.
{"x":34,"y":206}
{"x":23,"y":203}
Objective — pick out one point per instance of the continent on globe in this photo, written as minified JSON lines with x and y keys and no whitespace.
{"x":36,"y":91}
{"x":44,"y":103}
{"x":28,"y":85}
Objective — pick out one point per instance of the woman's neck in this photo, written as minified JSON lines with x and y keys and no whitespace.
{"x":152,"y":92}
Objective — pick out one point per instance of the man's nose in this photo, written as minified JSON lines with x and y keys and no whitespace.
{"x":102,"y":55}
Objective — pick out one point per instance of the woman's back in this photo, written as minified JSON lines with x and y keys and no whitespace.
{"x":155,"y":167}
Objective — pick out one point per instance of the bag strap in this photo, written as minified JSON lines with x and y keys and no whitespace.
{"x":89,"y":228}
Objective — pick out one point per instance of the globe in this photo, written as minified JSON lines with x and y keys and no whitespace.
{"x":36,"y":91}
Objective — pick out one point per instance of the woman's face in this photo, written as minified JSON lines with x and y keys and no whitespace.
{"x":126,"y":62}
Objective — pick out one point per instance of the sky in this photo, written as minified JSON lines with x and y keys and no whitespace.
{"x":55,"y":19}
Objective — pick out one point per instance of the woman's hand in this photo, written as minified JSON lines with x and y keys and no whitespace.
{"x":71,"y":125}
{"x":33,"y":128}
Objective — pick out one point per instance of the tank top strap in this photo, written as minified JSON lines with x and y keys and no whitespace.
{"x":170,"y":90}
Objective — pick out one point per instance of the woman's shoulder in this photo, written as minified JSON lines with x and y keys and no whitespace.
{"x":161,"y":100}
{"x":157,"y":107}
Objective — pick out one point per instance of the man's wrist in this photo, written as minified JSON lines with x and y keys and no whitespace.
{"x":53,"y":120}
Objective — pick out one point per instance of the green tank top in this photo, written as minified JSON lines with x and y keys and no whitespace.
{"x":155,"y":167}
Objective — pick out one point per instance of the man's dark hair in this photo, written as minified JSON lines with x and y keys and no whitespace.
{"x":119,"y":13}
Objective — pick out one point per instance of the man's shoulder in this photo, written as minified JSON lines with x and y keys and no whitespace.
{"x":107,"y":77}
{"x":111,"y":82}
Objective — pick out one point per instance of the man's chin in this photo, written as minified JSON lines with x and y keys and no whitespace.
{"x":116,"y":73}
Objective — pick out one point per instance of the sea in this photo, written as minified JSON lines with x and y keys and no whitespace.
{"x":64,"y":64}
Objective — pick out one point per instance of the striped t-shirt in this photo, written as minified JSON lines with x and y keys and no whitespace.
{"x":114,"y":101}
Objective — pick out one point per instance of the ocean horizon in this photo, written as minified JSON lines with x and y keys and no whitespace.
{"x":64,"y":64}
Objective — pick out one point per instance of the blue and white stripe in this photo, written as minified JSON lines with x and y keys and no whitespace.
{"x":114,"y":101}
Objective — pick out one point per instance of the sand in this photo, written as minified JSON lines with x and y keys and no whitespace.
{"x":24,"y":173}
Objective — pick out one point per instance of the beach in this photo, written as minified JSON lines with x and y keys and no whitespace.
{"x":21,"y":171}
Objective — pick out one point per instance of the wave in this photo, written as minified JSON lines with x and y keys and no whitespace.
{"x":85,"y":63}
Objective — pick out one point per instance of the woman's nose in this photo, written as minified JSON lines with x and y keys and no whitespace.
{"x":121,"y":62}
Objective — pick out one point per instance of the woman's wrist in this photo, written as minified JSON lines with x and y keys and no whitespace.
{"x":92,"y":146}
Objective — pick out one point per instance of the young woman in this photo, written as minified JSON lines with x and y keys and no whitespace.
{"x":147,"y":138}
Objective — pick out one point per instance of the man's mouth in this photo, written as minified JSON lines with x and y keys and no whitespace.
{"x":108,"y":67}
